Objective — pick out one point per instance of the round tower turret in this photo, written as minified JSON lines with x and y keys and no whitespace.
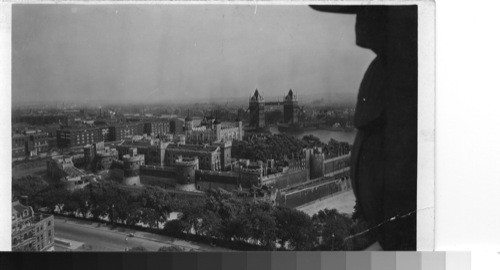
{"x":186,"y":169}
{"x":131,"y":166}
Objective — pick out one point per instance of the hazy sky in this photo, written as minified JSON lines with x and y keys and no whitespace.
{"x":171,"y":52}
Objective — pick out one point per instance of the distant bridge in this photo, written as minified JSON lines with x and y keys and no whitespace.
{"x":274,"y":103}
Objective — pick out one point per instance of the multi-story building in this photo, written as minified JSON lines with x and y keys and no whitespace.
{"x":152,"y":149}
{"x":43,"y":119}
{"x":157,"y":127}
{"x":99,"y":157}
{"x":225,"y":155}
{"x":31,"y":231}
{"x":38,"y":142}
{"x":51,"y":129}
{"x":123,"y":131}
{"x":176,"y":126}
{"x":29,"y":143}
{"x":213,"y":131}
{"x":209,"y":156}
{"x":19,"y":145}
{"x":78,"y":136}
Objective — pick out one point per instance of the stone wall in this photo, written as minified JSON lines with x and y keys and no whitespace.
{"x":337,"y":165}
{"x":165,"y":177}
{"x":311,"y":192}
{"x":164,"y":182}
{"x":208,"y":179}
{"x":285,"y":179}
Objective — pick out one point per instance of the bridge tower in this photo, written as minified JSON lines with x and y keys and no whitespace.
{"x":290,"y":108}
{"x":257,"y":110}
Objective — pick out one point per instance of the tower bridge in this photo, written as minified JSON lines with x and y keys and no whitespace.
{"x":257,"y":108}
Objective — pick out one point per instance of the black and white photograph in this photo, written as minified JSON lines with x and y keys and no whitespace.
{"x":217,"y":127}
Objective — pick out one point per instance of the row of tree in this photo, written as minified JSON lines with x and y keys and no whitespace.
{"x":277,"y":146}
{"x":331,"y":149}
{"x":268,"y":146}
{"x":218,"y":216}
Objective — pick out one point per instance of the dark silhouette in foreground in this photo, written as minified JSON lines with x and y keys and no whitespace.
{"x":384,"y":157}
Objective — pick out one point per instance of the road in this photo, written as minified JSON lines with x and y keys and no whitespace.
{"x":343,"y":202}
{"x":99,"y":237}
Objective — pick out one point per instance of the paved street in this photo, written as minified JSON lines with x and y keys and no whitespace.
{"x":343,"y":202}
{"x":98,"y":237}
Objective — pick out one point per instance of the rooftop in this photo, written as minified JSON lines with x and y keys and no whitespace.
{"x":192,"y":147}
{"x":17,"y":207}
{"x":72,"y":171}
{"x":77,"y":128}
{"x":15,"y":136}
{"x":256,"y":96}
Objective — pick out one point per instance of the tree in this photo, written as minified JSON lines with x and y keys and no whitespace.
{"x":53,"y":197}
{"x":122,"y":205}
{"x":263,"y":226}
{"x":222,"y":203}
{"x":333,"y":227}
{"x":158,"y":199}
{"x":210,"y":224}
{"x":191,"y":216}
{"x":295,"y":228}
{"x":174,"y":227}
{"x":149,"y":217}
{"x":70,"y":205}
{"x":269,"y":146}
{"x":238,"y":227}
{"x":28,"y":186}
{"x":98,"y":201}
{"x":82,"y":197}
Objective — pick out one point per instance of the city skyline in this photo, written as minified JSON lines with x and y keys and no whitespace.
{"x":241,"y":127}
{"x":153,"y":53}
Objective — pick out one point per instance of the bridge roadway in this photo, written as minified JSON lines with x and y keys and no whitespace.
{"x":273,"y":103}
